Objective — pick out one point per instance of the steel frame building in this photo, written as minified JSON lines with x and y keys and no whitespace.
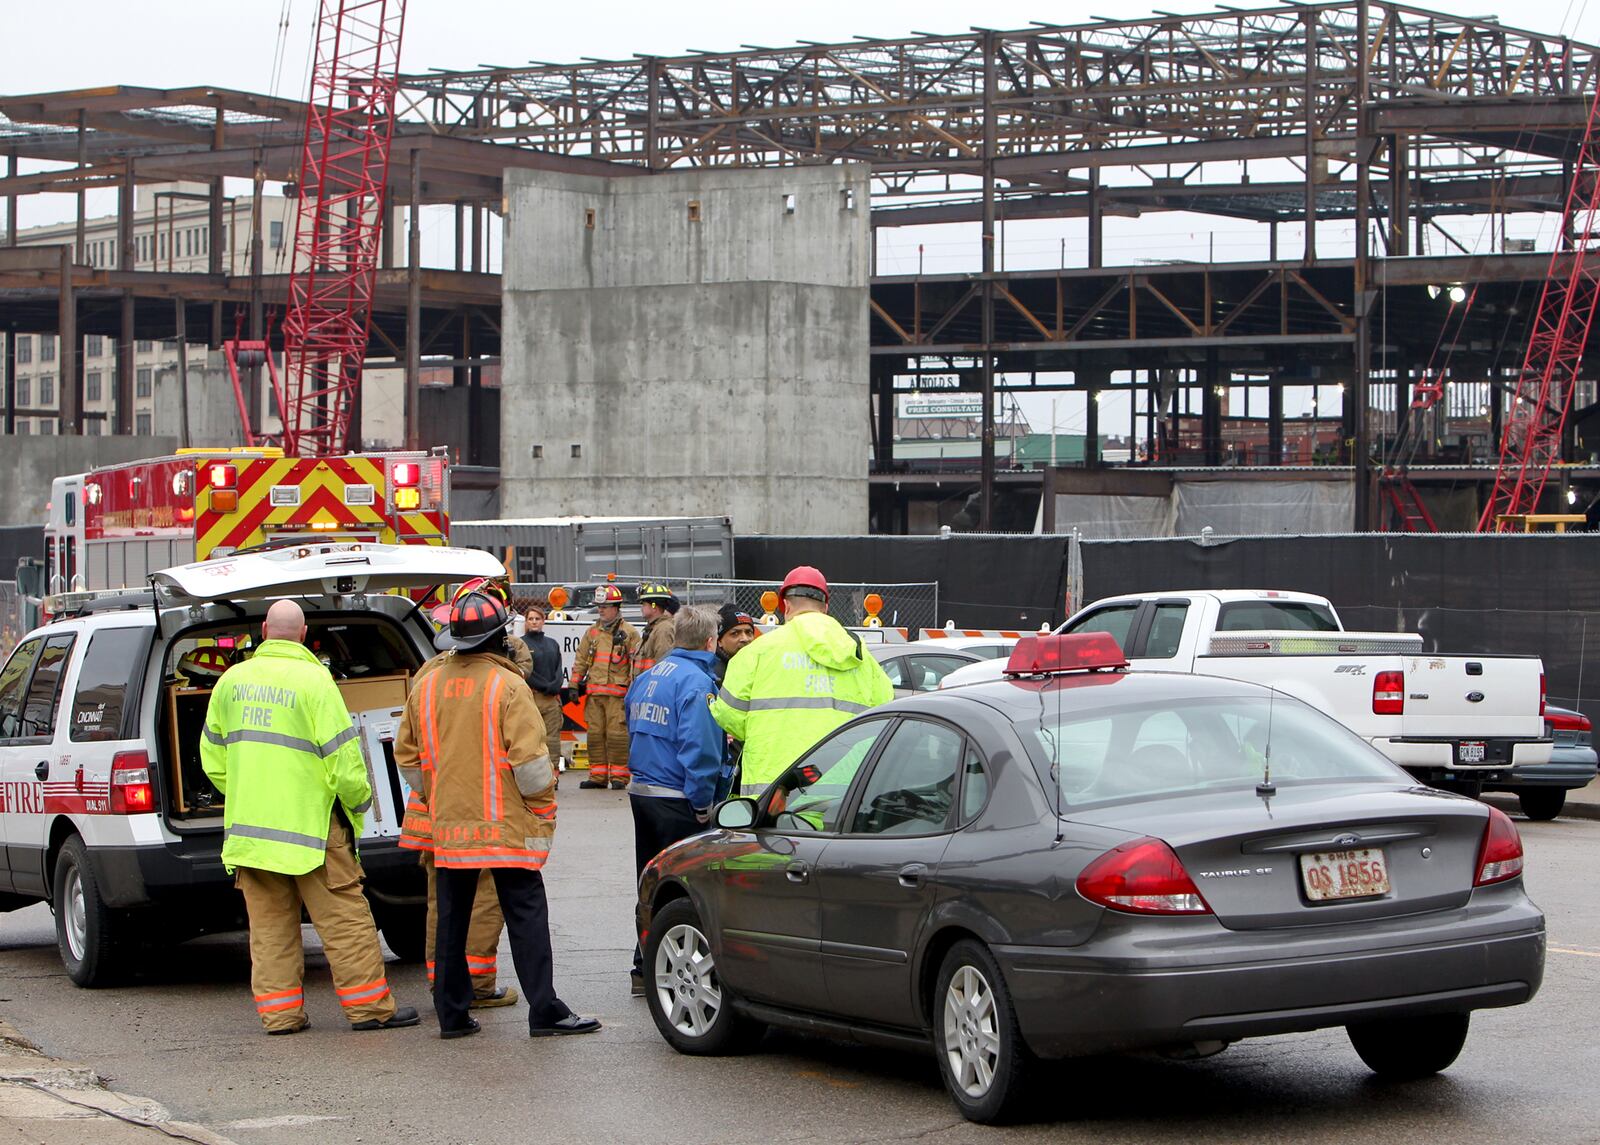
{"x":1382,"y":115}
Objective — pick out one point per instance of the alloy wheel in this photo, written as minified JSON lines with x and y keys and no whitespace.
{"x":686,"y":981}
{"x":77,"y":926}
{"x":971,"y":1032}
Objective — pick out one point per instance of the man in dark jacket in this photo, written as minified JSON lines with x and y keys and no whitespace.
{"x":675,"y":750}
{"x":735,"y":629}
{"x":544,"y":677}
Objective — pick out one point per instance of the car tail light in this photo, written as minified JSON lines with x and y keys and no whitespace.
{"x":1568,"y":722}
{"x":1389,"y":694}
{"x":131,"y":793}
{"x":1500,"y":857}
{"x":1141,"y":877}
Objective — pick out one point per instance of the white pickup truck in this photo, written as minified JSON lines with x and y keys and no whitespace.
{"x":1457,"y":722}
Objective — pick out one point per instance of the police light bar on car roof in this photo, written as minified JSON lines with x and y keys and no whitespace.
{"x":1077,"y":652}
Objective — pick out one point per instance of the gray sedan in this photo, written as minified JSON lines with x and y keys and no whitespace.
{"x":1075,"y":862}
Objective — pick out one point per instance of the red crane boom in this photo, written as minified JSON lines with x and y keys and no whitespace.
{"x":344,"y":169}
{"x":1531,"y":443}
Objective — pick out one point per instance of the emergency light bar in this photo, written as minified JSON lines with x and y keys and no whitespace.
{"x":1077,"y":652}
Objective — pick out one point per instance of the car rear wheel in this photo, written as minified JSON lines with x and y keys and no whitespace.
{"x":685,"y":993}
{"x":1542,"y":803}
{"x":982,"y":1056}
{"x":89,"y":934}
{"x":1407,"y":1048}
{"x":404,"y":929}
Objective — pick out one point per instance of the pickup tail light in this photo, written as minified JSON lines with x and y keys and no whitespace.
{"x":1144,"y":876}
{"x":1389,"y":694}
{"x":1500,"y":856}
{"x":131,"y":793}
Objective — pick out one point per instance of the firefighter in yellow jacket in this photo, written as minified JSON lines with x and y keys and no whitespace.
{"x":603,"y":670}
{"x":279,"y":744}
{"x":473,"y":743}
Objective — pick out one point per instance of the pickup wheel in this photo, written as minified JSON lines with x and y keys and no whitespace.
{"x":90,"y":935}
{"x":1542,"y":803}
{"x":1405,"y":1049}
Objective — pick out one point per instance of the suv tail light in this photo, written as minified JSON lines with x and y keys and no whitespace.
{"x":1541,"y":693}
{"x":1389,"y":694}
{"x":1144,"y":876}
{"x":1500,"y":856}
{"x":131,"y":793}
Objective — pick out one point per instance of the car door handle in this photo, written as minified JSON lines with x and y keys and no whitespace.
{"x":42,"y":770}
{"x":797,"y":872}
{"x":911,"y":874}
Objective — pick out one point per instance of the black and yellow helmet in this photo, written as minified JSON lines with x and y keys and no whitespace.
{"x":658,"y":594}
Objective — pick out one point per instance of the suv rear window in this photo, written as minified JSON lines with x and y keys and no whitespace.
{"x":113,"y":663}
{"x":1259,"y":615}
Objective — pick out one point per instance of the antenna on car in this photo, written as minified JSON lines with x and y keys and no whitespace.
{"x":1266,"y":788}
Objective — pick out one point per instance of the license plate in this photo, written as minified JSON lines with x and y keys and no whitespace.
{"x":1331,"y":875}
{"x":1470,"y":753}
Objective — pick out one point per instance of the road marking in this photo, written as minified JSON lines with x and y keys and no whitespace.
{"x":1571,"y":950}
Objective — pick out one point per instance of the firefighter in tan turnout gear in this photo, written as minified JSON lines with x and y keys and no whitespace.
{"x":659,"y":606}
{"x":280,"y":746}
{"x":603,"y":670}
{"x":473,"y":743}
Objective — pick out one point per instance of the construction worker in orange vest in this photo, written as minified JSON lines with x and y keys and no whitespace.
{"x":603,"y":670}
{"x":473,"y":743}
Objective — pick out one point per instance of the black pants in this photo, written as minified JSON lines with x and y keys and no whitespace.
{"x":522,"y":901}
{"x":657,"y":824}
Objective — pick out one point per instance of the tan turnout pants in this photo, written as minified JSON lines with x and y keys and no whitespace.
{"x":483,"y":934}
{"x":332,"y":897}
{"x":550,"y":712}
{"x":608,"y":739}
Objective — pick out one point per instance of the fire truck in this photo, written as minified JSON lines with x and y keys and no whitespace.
{"x":113,"y":526}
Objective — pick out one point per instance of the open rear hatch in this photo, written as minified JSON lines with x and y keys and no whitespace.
{"x":324,"y":569}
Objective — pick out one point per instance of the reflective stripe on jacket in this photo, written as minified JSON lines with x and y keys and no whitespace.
{"x":654,"y":645}
{"x":605,"y":658}
{"x":784,"y":692}
{"x":474,"y":733}
{"x":280,"y":745}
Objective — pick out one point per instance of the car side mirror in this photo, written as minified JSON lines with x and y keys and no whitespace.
{"x":735,"y":814}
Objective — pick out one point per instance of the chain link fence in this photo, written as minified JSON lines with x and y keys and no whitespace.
{"x":904,"y":605}
{"x":17,"y":615}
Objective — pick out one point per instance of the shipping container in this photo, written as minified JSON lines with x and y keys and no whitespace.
{"x":571,"y":550}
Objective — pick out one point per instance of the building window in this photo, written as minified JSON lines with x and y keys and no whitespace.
{"x":47,"y":426}
{"x":91,"y":386}
{"x":24,"y":392}
{"x":205,"y":242}
{"x":141,"y":384}
{"x":92,"y":427}
{"x":144,"y":347}
{"x":47,"y":347}
{"x":23,"y":427}
{"x":24,"y":348}
{"x":94,"y":346}
{"x":141,"y":424}
{"x":275,"y":235}
{"x":47,"y":390}
{"x":161,"y":245}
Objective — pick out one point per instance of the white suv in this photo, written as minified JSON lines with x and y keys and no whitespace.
{"x":104,"y":809}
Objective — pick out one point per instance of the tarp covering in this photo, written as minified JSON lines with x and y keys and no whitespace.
{"x":1107,"y":516}
{"x":1261,"y":507}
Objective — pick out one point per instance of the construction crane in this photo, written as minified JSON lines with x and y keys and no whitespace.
{"x":1537,"y":419}
{"x":343,"y":173}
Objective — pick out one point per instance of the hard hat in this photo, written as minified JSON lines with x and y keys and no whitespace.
{"x":493,"y":585}
{"x":658,"y":594}
{"x":608,"y":594}
{"x":476,"y":620}
{"x":208,"y":663}
{"x":803,"y":580}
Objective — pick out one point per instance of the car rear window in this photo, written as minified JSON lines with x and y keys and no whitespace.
{"x":1161,"y":749}
{"x":1257,"y":615}
{"x":101,"y":705}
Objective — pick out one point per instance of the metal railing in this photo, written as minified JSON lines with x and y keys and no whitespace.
{"x":913,"y":604}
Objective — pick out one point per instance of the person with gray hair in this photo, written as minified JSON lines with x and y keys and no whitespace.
{"x":676,"y":750}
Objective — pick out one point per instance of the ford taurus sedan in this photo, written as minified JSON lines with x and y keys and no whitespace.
{"x":1080,"y":859}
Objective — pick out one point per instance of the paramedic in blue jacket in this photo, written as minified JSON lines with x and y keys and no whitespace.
{"x":676,"y":747}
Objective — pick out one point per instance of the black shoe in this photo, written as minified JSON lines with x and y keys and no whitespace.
{"x":404,"y":1016}
{"x":571,"y":1024}
{"x":618,"y":784}
{"x":636,"y":984}
{"x":593,"y":783}
{"x":465,"y":1031}
{"x":304,"y":1025}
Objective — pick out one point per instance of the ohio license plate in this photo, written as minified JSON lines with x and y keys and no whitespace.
{"x":1344,"y":874}
{"x":1470,"y":753}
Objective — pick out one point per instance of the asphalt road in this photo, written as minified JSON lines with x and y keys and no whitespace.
{"x":186,"y":1035}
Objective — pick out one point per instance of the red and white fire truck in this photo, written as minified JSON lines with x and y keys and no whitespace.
{"x":113,"y":526}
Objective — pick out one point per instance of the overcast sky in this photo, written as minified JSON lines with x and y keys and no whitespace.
{"x":263,"y":45}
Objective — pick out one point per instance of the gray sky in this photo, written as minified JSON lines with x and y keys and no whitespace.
{"x":263,"y":45}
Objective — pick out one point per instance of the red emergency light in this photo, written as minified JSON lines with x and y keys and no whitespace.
{"x":407,"y":473}
{"x":1077,"y":652}
{"x":224,"y":476}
